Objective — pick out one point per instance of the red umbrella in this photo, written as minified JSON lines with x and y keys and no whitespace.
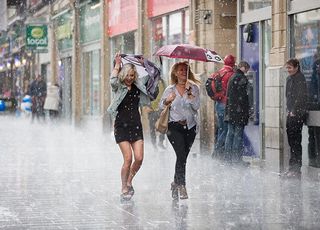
{"x":188,"y":51}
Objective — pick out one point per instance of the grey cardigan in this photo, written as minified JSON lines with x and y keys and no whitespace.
{"x":120,"y":90}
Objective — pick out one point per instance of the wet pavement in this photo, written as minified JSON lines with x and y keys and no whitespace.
{"x":57,"y":177}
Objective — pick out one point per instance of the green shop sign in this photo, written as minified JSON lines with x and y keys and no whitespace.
{"x":37,"y":36}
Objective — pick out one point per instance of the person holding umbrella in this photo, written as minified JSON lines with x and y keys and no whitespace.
{"x":183,"y":97}
{"x":129,"y":93}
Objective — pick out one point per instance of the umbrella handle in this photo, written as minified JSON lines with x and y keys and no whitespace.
{"x":188,"y":69}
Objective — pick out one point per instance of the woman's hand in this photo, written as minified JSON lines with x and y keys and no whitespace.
{"x":117,"y":66}
{"x":141,"y":60}
{"x":291,"y":114}
{"x":188,"y":86}
{"x":170,"y":98}
{"x":117,"y":59}
{"x":189,"y":90}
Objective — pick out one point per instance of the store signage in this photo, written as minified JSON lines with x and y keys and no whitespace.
{"x":36,"y":36}
{"x":158,"y":7}
{"x":64,"y":31}
{"x":123,"y":16}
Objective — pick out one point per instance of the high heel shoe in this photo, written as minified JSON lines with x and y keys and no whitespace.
{"x":125,"y":196}
{"x":131,"y":190}
{"x":183,"y":192}
{"x":174,"y":190}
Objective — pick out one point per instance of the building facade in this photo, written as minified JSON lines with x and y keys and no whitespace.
{"x":84,"y":36}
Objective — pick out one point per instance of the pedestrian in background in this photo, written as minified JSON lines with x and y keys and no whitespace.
{"x":52,"y":101}
{"x":183,"y":95}
{"x":38,"y":92}
{"x":222,"y":127}
{"x":129,"y":93}
{"x":296,"y":95}
{"x":153,"y":116}
{"x":237,"y":113}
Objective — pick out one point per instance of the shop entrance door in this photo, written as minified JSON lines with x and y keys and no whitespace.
{"x":65,"y":70}
{"x":256,"y":53}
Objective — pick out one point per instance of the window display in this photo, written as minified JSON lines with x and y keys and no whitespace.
{"x":170,"y":29}
{"x":249,"y":5}
{"x":91,"y":82}
{"x":306,"y":47}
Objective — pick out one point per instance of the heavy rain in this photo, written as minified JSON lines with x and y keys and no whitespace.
{"x":159,"y":114}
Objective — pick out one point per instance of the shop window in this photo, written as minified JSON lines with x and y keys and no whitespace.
{"x":250,"y":5}
{"x":175,"y":28}
{"x":168,"y":30}
{"x":306,"y":48}
{"x":124,"y":43}
{"x":91,"y":83}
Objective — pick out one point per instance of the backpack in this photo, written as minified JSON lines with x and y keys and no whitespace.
{"x":214,"y":86}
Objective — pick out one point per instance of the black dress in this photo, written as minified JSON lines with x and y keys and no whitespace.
{"x":127,"y":126}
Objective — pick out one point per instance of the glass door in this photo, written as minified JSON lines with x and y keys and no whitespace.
{"x":91,"y":83}
{"x":266,"y":47}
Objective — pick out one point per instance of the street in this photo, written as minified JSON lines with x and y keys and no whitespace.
{"x":53,"y":176}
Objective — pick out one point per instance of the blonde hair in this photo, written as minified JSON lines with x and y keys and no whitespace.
{"x":191,"y":76}
{"x":125,"y":71}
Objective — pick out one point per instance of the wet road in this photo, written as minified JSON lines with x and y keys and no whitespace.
{"x":57,"y":177}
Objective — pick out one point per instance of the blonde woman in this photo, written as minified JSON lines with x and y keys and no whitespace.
{"x":183,"y":95}
{"x":129,"y":94}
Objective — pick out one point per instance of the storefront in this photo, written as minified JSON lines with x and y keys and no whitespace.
{"x":170,"y":25}
{"x":17,"y":66}
{"x":305,"y":45}
{"x":90,"y":35}
{"x":4,"y":51}
{"x":254,"y":31}
{"x":64,"y":45}
{"x":123,"y":29}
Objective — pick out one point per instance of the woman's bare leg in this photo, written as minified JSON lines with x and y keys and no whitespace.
{"x":126,"y":150}
{"x":138,"y":158}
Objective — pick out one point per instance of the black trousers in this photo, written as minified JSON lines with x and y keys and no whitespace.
{"x":294,"y":133}
{"x":181,"y":139}
{"x":314,"y":146}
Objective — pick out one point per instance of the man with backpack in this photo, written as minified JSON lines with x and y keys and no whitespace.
{"x":218,"y":84}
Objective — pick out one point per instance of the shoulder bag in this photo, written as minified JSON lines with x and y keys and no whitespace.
{"x":162,"y":123}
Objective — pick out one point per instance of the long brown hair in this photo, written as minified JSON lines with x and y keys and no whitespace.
{"x":191,"y":76}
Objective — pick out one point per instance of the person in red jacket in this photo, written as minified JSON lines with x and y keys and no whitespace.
{"x":222,"y":127}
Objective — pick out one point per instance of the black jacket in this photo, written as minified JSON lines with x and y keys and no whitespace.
{"x":237,"y":107}
{"x":296,"y":94}
{"x":38,"y":88}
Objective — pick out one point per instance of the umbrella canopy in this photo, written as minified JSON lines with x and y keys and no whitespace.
{"x":190,"y":52}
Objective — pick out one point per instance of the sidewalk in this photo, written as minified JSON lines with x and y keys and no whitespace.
{"x":57,"y":177}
